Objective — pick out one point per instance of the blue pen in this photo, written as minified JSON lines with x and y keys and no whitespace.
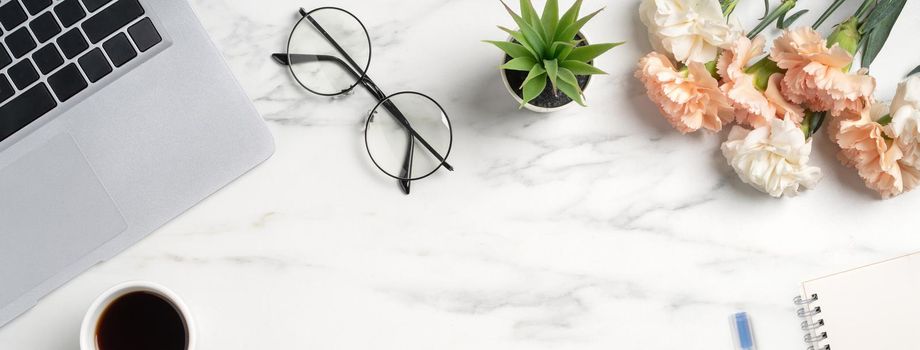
{"x":741,"y":332}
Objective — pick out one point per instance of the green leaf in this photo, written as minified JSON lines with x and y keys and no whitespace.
{"x":770,"y":17}
{"x":566,"y":50}
{"x":517,"y":18}
{"x":536,"y":72}
{"x":827,"y":13}
{"x":881,"y":14}
{"x":550,"y":18}
{"x":572,"y":30}
{"x":572,"y":91}
{"x":915,"y":71}
{"x":520,"y":39}
{"x":524,"y":64}
{"x":529,"y":14}
{"x":533,"y":89}
{"x":527,"y":11}
{"x":784,"y":23}
{"x":876,"y":38}
{"x":581,"y":68}
{"x":885,"y":120}
{"x":531,"y":37}
{"x":728,"y":7}
{"x":568,"y":19}
{"x":816,"y":121}
{"x":512,"y":49}
{"x":557,"y":48}
{"x":552,"y":71}
{"x":812,"y":123}
{"x":534,"y":39}
{"x":590,"y":52}
{"x":567,"y":76}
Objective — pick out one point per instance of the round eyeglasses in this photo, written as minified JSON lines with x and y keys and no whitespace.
{"x":408,"y":135}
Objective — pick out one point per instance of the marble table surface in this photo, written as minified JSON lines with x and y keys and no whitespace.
{"x":591,"y":228}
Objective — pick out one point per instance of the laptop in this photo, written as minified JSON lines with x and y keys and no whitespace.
{"x":115,"y":117}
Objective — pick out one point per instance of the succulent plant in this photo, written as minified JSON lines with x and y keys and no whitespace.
{"x":546,"y":46}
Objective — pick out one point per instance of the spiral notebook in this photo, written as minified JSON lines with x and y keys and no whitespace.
{"x":871,"y":307}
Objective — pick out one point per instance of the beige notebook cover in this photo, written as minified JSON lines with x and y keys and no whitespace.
{"x":867,"y":308}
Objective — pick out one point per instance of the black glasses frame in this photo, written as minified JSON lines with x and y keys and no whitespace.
{"x":361,"y":78}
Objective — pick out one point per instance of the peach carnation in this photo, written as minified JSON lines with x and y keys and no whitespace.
{"x":878,"y":160}
{"x":816,"y":75}
{"x":752,"y":107}
{"x":688,"y":99}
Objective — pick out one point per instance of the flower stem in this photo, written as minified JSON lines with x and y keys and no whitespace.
{"x":866,"y":5}
{"x":830,"y":10}
{"x":771,"y":17}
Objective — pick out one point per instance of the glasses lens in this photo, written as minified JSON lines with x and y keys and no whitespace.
{"x":329,"y":51}
{"x":392,"y":147}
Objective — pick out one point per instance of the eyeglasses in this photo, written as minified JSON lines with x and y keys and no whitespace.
{"x":329,"y":53}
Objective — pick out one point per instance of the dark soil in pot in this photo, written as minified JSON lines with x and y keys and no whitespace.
{"x":548,"y":98}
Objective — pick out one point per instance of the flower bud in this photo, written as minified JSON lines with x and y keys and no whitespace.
{"x":761,"y":71}
{"x":846,"y":35}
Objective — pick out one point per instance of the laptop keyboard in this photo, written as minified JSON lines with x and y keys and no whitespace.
{"x":51,"y":50}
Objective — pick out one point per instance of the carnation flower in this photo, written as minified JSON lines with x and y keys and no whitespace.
{"x":772,"y":158}
{"x":905,"y":121}
{"x":816,"y":76}
{"x":753,"y":106}
{"x":689,"y":99}
{"x":878,"y":159}
{"x":690,"y":30}
{"x":905,"y":112}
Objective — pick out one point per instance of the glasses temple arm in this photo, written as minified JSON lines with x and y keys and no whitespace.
{"x":406,"y":173}
{"x":334,"y":43}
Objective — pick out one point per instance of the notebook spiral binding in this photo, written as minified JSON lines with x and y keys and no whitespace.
{"x":807,"y":312}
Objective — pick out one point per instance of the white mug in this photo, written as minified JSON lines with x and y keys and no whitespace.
{"x":91,"y":320}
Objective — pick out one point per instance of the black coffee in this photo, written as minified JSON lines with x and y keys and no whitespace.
{"x":141,"y":321}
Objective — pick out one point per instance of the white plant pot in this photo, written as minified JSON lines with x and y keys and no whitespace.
{"x":529,"y":106}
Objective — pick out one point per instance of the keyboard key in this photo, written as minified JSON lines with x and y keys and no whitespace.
{"x":5,"y":58}
{"x":144,"y":34}
{"x":93,"y":5}
{"x":12,"y":15}
{"x":20,"y":42}
{"x":119,"y":49}
{"x":95,"y":65}
{"x":72,"y":43}
{"x":67,"y":82}
{"x":69,"y":12}
{"x":23,"y":74}
{"x":45,"y":27}
{"x":112,"y":18}
{"x":36,"y":6}
{"x":47,"y":59}
{"x":6,"y":90}
{"x":24,"y":109}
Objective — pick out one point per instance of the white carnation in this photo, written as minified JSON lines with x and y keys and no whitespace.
{"x":905,"y":120}
{"x":773,"y":158}
{"x":690,"y":30}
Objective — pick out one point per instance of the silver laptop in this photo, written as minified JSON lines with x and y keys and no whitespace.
{"x":115,"y":117}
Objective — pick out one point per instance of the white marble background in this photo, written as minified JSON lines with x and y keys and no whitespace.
{"x":593,"y":228}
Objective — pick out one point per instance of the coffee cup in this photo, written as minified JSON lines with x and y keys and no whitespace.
{"x":135,"y":316}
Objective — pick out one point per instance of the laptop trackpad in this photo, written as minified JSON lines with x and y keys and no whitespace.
{"x":53,"y":211}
